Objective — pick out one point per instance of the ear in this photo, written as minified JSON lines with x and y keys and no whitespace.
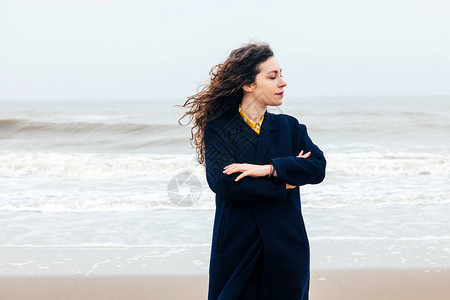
{"x":248,"y":87}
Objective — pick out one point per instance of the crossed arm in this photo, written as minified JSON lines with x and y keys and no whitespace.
{"x":256,"y":170}
{"x":253,"y":183}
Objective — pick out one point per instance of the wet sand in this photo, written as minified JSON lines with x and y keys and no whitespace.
{"x":347,"y":284}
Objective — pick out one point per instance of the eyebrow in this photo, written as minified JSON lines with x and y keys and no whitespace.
{"x":274,"y":71}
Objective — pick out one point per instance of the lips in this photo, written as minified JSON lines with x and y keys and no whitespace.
{"x":280,"y":94}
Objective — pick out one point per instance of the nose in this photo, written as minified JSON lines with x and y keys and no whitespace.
{"x":283,"y":83}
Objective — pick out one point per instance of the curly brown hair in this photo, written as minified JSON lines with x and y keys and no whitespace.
{"x":224,"y":90}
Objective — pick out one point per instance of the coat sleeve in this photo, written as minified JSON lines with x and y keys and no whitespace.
{"x":218,"y":155}
{"x":298,"y":170}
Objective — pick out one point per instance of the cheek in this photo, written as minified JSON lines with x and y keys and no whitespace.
{"x":270,"y":84}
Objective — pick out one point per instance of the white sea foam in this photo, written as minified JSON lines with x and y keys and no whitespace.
{"x":389,"y":163}
{"x":190,"y":245}
{"x":105,"y":245}
{"x":93,"y":165}
{"x":105,"y":207}
{"x":380,"y":238}
{"x":103,"y":165}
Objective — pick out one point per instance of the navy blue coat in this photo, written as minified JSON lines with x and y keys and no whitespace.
{"x":260,"y":248}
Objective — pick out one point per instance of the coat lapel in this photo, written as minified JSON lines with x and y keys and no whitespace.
{"x":263,"y":140}
{"x":266,"y":137}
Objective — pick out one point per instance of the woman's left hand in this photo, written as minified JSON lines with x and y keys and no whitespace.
{"x":247,"y":170}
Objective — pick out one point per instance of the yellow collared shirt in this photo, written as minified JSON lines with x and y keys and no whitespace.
{"x":256,"y":126}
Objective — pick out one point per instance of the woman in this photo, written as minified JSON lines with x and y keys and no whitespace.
{"x":255,"y":162}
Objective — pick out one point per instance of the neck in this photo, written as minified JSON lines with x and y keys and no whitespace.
{"x":252,"y":108}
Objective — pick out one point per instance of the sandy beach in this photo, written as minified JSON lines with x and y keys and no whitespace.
{"x":399,"y":284}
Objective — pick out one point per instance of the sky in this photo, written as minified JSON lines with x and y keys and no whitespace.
{"x":100,"y":49}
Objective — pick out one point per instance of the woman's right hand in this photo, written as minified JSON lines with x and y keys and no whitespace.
{"x":288,"y":186}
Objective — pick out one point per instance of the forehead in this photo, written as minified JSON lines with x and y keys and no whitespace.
{"x":270,"y":64}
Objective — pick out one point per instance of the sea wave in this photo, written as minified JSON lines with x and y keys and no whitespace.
{"x":96,"y":165}
{"x":23,"y":127}
{"x":123,"y":203}
{"x":106,"y":165}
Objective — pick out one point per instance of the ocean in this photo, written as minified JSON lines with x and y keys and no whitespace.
{"x":114,"y":186}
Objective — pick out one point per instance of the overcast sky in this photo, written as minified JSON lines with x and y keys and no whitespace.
{"x":72,"y":49}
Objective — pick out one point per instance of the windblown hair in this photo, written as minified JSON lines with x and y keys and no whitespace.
{"x":224,"y":92}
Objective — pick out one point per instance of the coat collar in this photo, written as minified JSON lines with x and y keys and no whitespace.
{"x":266,"y":134}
